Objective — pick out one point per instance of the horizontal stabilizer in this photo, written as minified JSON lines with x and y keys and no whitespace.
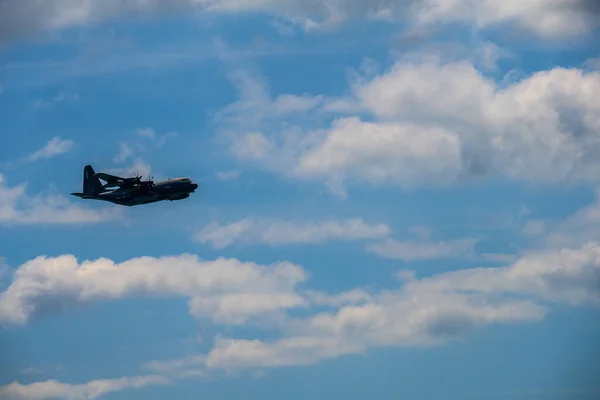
{"x":109,"y":178}
{"x":84,"y":195}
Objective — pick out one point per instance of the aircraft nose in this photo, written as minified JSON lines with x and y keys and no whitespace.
{"x":194,"y":186}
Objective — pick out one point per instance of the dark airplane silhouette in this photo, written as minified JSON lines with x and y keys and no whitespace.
{"x":132,"y":191}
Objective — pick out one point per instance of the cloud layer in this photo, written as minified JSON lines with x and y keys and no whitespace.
{"x":424,"y":121}
{"x":276,"y":232}
{"x":53,"y":389}
{"x":427,"y":122}
{"x":420,"y":312}
{"x":424,"y":249}
{"x":224,"y":290}
{"x":547,"y":19}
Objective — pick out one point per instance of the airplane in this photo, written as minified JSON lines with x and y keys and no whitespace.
{"x":132,"y":191}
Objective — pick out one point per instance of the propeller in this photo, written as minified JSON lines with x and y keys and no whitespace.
{"x":137,"y":176}
{"x":147,"y":183}
{"x":150,"y":181}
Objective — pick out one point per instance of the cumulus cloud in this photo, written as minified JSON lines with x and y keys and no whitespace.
{"x":18,"y":207}
{"x":568,"y":275}
{"x":355,"y":329}
{"x":382,"y":153}
{"x":542,"y":128}
{"x":427,"y":311}
{"x":277,"y":232}
{"x":425,"y":122}
{"x":56,"y":146}
{"x":224,"y":290}
{"x":548,"y":19}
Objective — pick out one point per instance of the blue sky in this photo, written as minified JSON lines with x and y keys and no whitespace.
{"x":397,"y":199}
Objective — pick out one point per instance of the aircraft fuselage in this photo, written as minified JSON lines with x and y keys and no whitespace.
{"x":174,"y":189}
{"x":127,"y":195}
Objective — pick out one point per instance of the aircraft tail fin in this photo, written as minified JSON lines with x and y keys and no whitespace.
{"x":91,"y":183}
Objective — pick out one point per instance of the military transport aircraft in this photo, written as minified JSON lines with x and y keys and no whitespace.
{"x":132,"y":191}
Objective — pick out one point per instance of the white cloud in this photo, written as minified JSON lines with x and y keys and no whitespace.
{"x":422,"y":232}
{"x":252,"y":146}
{"x":52,"y":389}
{"x":579,"y":228}
{"x":277,"y":232}
{"x":451,"y":45}
{"x":502,"y":258}
{"x":139,"y":166}
{"x":568,"y":275}
{"x":424,"y":250}
{"x":546,"y":18}
{"x":56,"y":146}
{"x":124,"y":153}
{"x":390,"y":321}
{"x":435,"y":123}
{"x":420,"y":312}
{"x":147,"y":133}
{"x":290,"y":104}
{"x":404,"y":153}
{"x":428,"y":311}
{"x":225,"y":290}
{"x":159,"y":140}
{"x":17,"y":207}
{"x":355,"y":296}
{"x":255,"y":105}
{"x":242,"y":353}
{"x":541,"y":128}
{"x":135,"y":149}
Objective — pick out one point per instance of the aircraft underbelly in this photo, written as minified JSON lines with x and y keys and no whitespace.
{"x":145,"y":199}
{"x":130,"y":199}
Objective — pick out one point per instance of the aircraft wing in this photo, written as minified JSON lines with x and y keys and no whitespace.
{"x":109,"y":178}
